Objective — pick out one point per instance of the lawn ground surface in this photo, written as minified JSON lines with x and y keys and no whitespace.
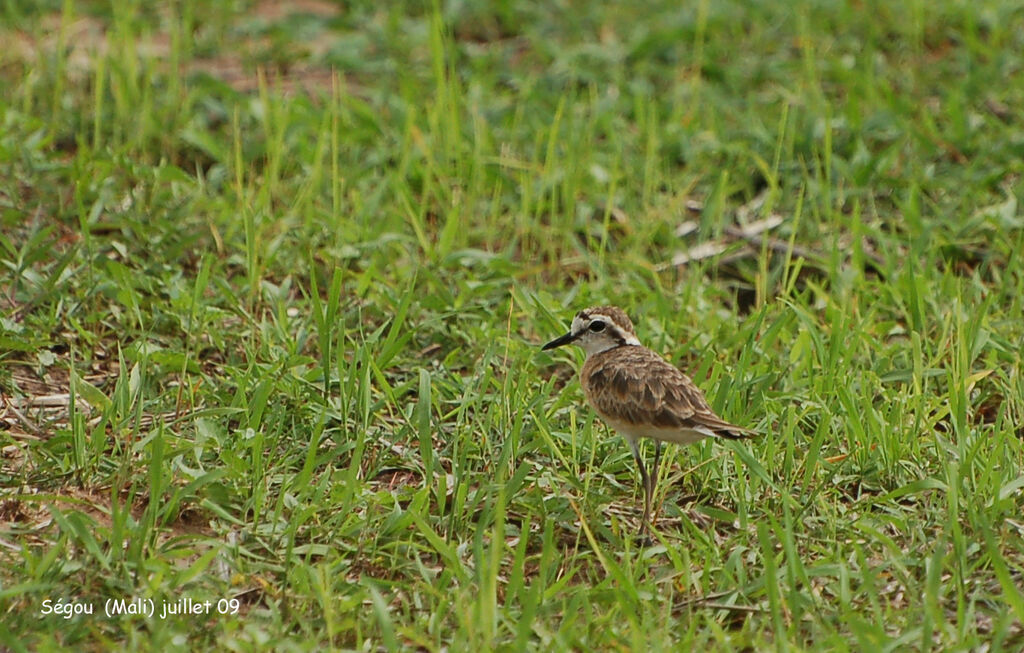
{"x":274,"y":277}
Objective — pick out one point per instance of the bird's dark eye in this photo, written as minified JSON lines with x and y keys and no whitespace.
{"x":597,"y":326}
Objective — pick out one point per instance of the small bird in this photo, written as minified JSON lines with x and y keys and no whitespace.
{"x":638,"y":393}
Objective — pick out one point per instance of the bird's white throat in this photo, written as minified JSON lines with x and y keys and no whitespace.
{"x":595,"y":345}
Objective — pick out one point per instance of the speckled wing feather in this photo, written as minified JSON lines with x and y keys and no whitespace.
{"x":634,"y":385}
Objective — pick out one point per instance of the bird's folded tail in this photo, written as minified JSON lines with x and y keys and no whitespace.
{"x":716,"y":427}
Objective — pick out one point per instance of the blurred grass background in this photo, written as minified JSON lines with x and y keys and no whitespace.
{"x":273,"y":276}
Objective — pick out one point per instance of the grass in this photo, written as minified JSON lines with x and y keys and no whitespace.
{"x":274,"y":277}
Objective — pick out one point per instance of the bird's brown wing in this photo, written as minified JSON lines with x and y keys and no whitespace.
{"x":635,"y":385}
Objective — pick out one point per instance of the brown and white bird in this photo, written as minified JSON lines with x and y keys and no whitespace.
{"x":638,"y":393}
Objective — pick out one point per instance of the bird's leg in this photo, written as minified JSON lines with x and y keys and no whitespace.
{"x":645,"y":481}
{"x":654,"y":470}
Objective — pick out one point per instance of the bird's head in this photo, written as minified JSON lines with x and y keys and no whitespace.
{"x":597,"y":329}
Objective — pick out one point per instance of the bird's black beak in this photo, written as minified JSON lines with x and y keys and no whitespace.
{"x":561,"y":340}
